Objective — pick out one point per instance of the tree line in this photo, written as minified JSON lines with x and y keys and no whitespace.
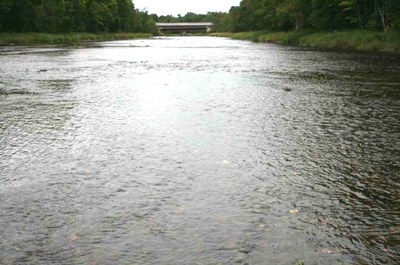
{"x":63,"y":16}
{"x":298,"y":15}
{"x":317,"y":15}
{"x":222,"y":20}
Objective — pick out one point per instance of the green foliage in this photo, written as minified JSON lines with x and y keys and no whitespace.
{"x":344,"y":40}
{"x":56,"y":16}
{"x":69,"y":38}
{"x":331,"y":15}
{"x":5,"y":8}
{"x":354,"y":40}
{"x":222,"y":21}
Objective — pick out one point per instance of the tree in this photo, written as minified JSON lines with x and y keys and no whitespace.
{"x":48,"y":15}
{"x":126,"y":9}
{"x":5,"y":9}
{"x":297,"y":10}
{"x":327,"y":15}
{"x":20,"y":16}
{"x":74,"y":16}
{"x":101,"y":15}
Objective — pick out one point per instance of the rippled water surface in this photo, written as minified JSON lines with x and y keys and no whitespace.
{"x":198,"y":150}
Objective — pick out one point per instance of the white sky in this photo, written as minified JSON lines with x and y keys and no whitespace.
{"x":175,"y":7}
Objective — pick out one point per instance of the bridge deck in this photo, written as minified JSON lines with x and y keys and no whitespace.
{"x":205,"y":24}
{"x":185,"y":26}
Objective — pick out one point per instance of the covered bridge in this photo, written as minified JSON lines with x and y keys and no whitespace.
{"x":185,"y":27}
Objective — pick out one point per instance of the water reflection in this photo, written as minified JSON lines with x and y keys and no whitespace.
{"x":198,"y":150}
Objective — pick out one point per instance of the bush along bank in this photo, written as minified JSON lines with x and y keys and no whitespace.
{"x":69,"y":38}
{"x":365,"y":41}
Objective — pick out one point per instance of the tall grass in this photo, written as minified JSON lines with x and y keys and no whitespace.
{"x":70,"y":38}
{"x":259,"y":36}
{"x":354,"y":40}
{"x":344,"y":40}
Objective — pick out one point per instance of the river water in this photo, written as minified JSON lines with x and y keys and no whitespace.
{"x":198,"y":150}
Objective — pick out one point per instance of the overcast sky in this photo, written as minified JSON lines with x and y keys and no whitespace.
{"x":175,"y":7}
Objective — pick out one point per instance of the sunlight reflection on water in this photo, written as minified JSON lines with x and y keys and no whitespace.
{"x":189,"y":150}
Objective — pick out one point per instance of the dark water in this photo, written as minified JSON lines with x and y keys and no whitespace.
{"x":198,"y":151}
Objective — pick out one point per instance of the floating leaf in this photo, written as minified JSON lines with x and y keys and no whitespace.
{"x":180,"y":210}
{"x":327,"y":251}
{"x":73,"y":237}
{"x":386,"y":250}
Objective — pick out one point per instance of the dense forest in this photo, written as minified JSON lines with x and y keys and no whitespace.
{"x":317,"y":15}
{"x":62,"y":16}
{"x":221,"y":20}
{"x":314,"y":15}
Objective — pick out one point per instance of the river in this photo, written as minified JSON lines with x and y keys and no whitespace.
{"x":198,"y":150}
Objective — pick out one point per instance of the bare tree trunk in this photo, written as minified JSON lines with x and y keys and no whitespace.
{"x":299,"y":21}
{"x":382,"y":10}
{"x":359,"y":17}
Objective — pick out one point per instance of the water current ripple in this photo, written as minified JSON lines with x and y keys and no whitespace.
{"x":198,"y":150}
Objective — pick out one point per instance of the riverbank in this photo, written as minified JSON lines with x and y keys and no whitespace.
{"x":345,"y":40}
{"x":69,"y":38}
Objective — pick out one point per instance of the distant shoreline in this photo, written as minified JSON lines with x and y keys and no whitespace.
{"x":364,"y":41}
{"x":7,"y":39}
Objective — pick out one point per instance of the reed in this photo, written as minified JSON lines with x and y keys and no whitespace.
{"x":70,"y":38}
{"x":343,"y":40}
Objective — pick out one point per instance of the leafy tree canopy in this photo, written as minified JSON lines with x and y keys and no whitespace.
{"x":56,"y":16}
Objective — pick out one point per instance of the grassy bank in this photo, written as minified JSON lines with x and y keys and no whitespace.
{"x":346,"y":40}
{"x":69,"y":38}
